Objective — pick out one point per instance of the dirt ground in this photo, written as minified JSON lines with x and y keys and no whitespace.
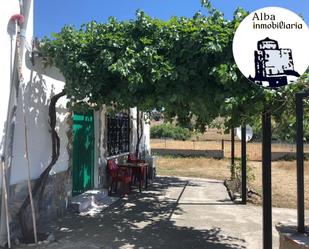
{"x":173,"y":213}
{"x":283,"y":175}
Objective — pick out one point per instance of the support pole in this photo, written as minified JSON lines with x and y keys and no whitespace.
{"x":5,"y":204}
{"x":266,"y":171}
{"x":243,"y":165}
{"x":35,"y":235}
{"x":300,"y":163}
{"x":232,"y":153}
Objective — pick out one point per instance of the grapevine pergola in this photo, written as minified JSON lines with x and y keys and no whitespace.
{"x":184,"y":65}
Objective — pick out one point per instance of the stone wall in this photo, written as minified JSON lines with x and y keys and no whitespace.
{"x":289,"y":238}
{"x":102,"y":170}
{"x":56,"y":197}
{"x":218,"y":154}
{"x":55,"y":201}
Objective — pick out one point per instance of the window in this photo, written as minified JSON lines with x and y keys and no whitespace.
{"x":118,"y":134}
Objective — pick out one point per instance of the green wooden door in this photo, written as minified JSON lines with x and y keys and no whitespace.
{"x":83,"y":152}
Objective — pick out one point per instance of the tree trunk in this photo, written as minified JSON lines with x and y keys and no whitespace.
{"x":39,"y":186}
{"x":140,"y":130}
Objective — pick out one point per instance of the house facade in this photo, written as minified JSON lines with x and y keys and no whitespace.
{"x":87,"y":140}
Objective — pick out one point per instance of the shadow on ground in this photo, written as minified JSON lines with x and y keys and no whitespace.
{"x":143,"y":220}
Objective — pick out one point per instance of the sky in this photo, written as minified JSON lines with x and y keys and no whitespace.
{"x":51,"y":15}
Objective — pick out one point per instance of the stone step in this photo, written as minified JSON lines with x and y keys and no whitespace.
{"x":91,"y":201}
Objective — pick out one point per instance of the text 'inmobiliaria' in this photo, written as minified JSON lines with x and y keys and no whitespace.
{"x":269,"y":21}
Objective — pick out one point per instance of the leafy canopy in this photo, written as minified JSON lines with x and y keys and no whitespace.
{"x":184,"y":66}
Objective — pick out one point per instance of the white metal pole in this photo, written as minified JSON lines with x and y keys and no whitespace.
{"x":5,"y":202}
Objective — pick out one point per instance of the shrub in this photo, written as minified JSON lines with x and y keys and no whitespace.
{"x":250,"y":172}
{"x":170,"y":131}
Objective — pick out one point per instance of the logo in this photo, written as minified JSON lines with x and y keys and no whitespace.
{"x":271,"y":47}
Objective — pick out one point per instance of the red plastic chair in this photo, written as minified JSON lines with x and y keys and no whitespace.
{"x":117,"y":174}
{"x":132,"y":158}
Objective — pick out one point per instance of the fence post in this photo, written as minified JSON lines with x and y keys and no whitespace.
{"x":266,"y":171}
{"x":300,"y":162}
{"x":222,"y":145}
{"x":243,"y":165}
{"x":232,"y":153}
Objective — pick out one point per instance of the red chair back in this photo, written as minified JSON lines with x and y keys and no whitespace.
{"x":112,"y":167}
{"x":132,"y":157}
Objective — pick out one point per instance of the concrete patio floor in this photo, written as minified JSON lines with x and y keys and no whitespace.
{"x":174,"y":213}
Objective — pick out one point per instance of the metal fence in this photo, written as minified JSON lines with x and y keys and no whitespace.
{"x":254,"y":149}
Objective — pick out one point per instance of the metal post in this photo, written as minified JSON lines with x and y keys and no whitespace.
{"x":300,"y":163}
{"x":266,"y":169}
{"x":222,"y":145}
{"x":233,"y":175}
{"x":243,"y":165}
{"x":232,"y":146}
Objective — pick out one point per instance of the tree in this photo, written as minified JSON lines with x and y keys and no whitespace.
{"x":147,"y":63}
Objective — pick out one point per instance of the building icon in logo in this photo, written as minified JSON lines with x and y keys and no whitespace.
{"x":273,"y":65}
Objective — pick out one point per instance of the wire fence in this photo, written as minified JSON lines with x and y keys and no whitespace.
{"x":254,"y":149}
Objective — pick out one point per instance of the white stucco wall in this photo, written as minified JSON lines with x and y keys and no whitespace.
{"x":145,"y":141}
{"x":133,"y":135}
{"x":146,"y":138}
{"x":96,"y":124}
{"x":7,"y":44}
{"x":40,"y":85}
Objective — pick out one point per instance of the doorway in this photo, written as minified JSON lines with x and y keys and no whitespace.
{"x":83,"y":152}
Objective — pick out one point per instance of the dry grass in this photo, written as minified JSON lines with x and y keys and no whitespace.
{"x":283,"y":175}
{"x":193,"y":167}
{"x":283,"y":182}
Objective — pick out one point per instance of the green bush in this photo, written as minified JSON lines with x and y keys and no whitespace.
{"x":169,"y":131}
